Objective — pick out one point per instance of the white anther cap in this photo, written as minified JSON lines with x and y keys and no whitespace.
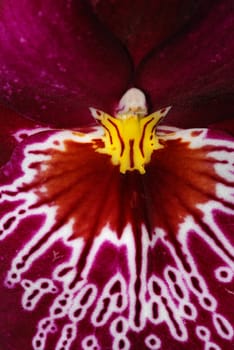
{"x":133,"y":101}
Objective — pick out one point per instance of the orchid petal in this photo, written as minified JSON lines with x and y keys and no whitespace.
{"x":14,"y":129}
{"x":107,"y":260}
{"x":194,"y":73}
{"x":57,"y":60}
{"x":225,"y":125}
{"x":143,"y":26}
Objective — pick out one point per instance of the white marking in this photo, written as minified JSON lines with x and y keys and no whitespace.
{"x":45,"y":327}
{"x":121,"y":343}
{"x":224,"y":274}
{"x":90,"y":343}
{"x":99,"y":317}
{"x":153,"y":342}
{"x":212,"y":346}
{"x":165,"y":295}
{"x":73,"y":297}
{"x":217,"y":319}
{"x":114,"y":326}
{"x":203,"y":333}
{"x":35,"y":290}
{"x":69,"y":333}
{"x":78,"y":306}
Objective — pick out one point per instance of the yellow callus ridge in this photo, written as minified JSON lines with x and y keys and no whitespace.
{"x":129,"y":139}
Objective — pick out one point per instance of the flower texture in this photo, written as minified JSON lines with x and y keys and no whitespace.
{"x":117,"y":175}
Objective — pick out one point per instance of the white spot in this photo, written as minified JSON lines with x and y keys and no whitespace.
{"x":203,"y":333}
{"x":208,"y":302}
{"x":35,"y":290}
{"x":90,"y":343}
{"x":153,"y":342}
{"x":212,"y":346}
{"x":68,"y":335}
{"x":45,"y":326}
{"x":121,"y":343}
{"x":224,"y":274}
{"x":110,"y":302}
{"x":82,"y":302}
{"x":223,"y":327}
{"x":119,"y":326}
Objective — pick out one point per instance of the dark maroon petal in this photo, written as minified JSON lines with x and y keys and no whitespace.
{"x":57,"y":60}
{"x":143,"y":25}
{"x":225,"y":125}
{"x":107,"y":260}
{"x":194,"y":73}
{"x":14,"y":128}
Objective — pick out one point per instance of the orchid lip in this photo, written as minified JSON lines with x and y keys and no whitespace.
{"x":66,"y":186}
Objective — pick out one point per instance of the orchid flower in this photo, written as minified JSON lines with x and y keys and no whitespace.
{"x":117,"y":175}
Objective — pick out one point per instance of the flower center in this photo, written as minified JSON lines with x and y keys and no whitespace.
{"x":130,"y":138}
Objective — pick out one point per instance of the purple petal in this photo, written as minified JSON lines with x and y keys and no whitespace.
{"x":225,"y":125}
{"x":106,"y":260}
{"x":57,"y":61}
{"x":142,"y":26}
{"x":14,"y":128}
{"x":194,"y":73}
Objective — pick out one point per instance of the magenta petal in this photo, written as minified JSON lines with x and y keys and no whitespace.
{"x":14,"y":128}
{"x":194,"y":73}
{"x":225,"y":125}
{"x":57,"y":60}
{"x":143,"y":25}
